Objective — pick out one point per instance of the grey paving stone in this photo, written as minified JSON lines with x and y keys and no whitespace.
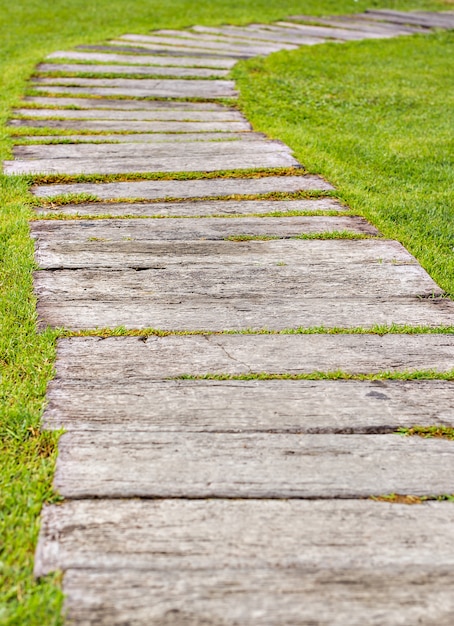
{"x":251,"y":562}
{"x":120,"y":358}
{"x":255,"y":406}
{"x":146,"y":137}
{"x":224,"y":114}
{"x":259,"y":597}
{"x":53,"y":233}
{"x":127,"y":105}
{"x":127,"y":69}
{"x":165,"y":150}
{"x":419,"y":18}
{"x":142,"y":59}
{"x":135,"y":126}
{"x":255,"y":34}
{"x":223,"y":46}
{"x":342,"y":34}
{"x":148,"y":87}
{"x":214,"y":207}
{"x":160,"y":189}
{"x":250,"y":465}
{"x":240,"y":159}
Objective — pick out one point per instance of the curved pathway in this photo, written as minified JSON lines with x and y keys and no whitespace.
{"x":217,"y":478}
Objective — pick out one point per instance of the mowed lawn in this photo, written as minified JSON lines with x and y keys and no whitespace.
{"x":374,"y":118}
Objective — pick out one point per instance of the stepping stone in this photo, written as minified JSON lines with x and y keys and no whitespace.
{"x":143,"y":87}
{"x":192,"y":209}
{"x":160,"y":189}
{"x":121,"y":358}
{"x":51,"y":234}
{"x":251,"y":562}
{"x":250,"y":465}
{"x":128,"y":105}
{"x":197,"y":149}
{"x":116,"y":47}
{"x":419,"y":18}
{"x":341,"y":34}
{"x":358,"y":23}
{"x":256,"y":35}
{"x":180,"y":44}
{"x":140,"y":405}
{"x":218,"y":285}
{"x":232,"y":160}
{"x":128,"y":69}
{"x":143,"y":137}
{"x":135,"y":126}
{"x":227,"y":115}
{"x":214,"y":37}
{"x":143,"y":59}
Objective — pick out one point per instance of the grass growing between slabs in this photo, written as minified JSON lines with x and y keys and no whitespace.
{"x":28,"y":455}
{"x":375,"y":168}
{"x":374,"y":118}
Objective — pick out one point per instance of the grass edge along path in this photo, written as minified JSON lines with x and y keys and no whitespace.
{"x":27,"y":358}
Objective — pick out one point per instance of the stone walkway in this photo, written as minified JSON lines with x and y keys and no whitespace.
{"x":207,"y":479}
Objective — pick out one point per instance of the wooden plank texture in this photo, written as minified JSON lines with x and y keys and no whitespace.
{"x":141,"y":91}
{"x":192,"y":72}
{"x":195,"y":150}
{"x":250,"y":465}
{"x":145,"y":137}
{"x":160,"y":189}
{"x":214,"y":207}
{"x":224,"y":115}
{"x":183,"y":45}
{"x":142,"y":59}
{"x":251,"y":562}
{"x":245,"y":535}
{"x":126,"y":105}
{"x":240,"y":159}
{"x":267,"y":406}
{"x":260,"y":597}
{"x":120,"y":358}
{"x":134,"y":126}
{"x":53,"y":233}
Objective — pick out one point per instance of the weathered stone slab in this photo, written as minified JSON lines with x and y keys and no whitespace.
{"x":123,"y":298}
{"x":146,"y":137}
{"x":184,"y":43}
{"x":156,"y":49}
{"x":298,"y":535}
{"x":127,"y":69}
{"x":250,"y":465}
{"x":260,"y":562}
{"x":135,"y":126}
{"x":341,"y":34}
{"x":240,"y":159}
{"x":260,"y":597}
{"x":254,"y":34}
{"x":51,"y":234}
{"x":226,"y":311}
{"x":147,"y":87}
{"x":358,"y":23}
{"x":420,"y":18}
{"x":127,"y":105}
{"x":225,"y":114}
{"x":159,"y":189}
{"x":154,"y":150}
{"x":121,"y":251}
{"x":121,"y":358}
{"x":144,"y":59}
{"x":215,"y":207}
{"x":273,"y":406}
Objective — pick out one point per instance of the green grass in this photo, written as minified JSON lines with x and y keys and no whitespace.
{"x":374,"y":118}
{"x":390,"y":115}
